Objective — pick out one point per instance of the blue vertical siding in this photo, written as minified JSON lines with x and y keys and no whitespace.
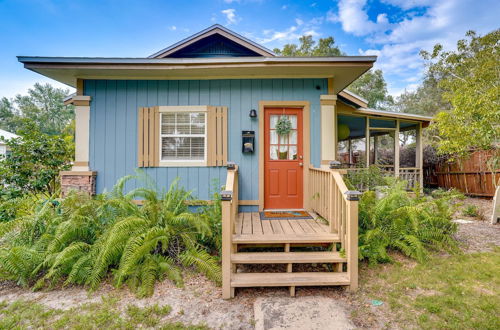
{"x":113,"y":125}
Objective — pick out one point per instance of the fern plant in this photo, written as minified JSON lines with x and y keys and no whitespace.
{"x":410,"y":224}
{"x":81,"y":240}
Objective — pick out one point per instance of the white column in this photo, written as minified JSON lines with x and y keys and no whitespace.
{"x":396,"y":150}
{"x":82,"y":132}
{"x":328,"y":129}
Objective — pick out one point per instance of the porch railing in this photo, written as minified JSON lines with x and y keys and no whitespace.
{"x":410,"y":175}
{"x":229,"y":197}
{"x":339,"y":206}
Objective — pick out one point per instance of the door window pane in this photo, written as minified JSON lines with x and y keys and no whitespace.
{"x":273,"y":152}
{"x":283,"y":153}
{"x":292,"y":153}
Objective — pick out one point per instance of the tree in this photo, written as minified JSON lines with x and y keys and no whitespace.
{"x":373,"y":88}
{"x":44,"y":105}
{"x":426,"y":100}
{"x":308,"y":47}
{"x":470,"y":80}
{"x":371,"y":85}
{"x":34,"y":162}
{"x":8,"y":117}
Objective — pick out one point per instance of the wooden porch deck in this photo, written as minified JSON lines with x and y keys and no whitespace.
{"x":251,"y":229}
{"x":246,"y":238}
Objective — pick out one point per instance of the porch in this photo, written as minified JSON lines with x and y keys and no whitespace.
{"x":367,"y":139}
{"x":329,"y":237}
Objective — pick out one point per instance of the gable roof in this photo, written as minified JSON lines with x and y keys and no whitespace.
{"x":242,"y":45}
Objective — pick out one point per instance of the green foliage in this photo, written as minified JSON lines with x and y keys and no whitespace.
{"x":469,"y":78}
{"x":398,"y":221}
{"x":308,"y":47}
{"x":426,"y":100}
{"x":105,"y":314}
{"x":34,"y":163}
{"x":471,"y":211}
{"x":366,"y":178}
{"x":373,"y":88}
{"x":283,"y":126}
{"x":80,"y":240}
{"x":212,"y":214}
{"x":44,"y":105}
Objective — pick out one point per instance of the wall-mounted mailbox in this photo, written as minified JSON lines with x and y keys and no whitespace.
{"x":248,"y":140}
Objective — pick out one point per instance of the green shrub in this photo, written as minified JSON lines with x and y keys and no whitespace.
{"x":406,"y":223}
{"x":471,"y":211}
{"x":34,"y":162}
{"x":212,"y":213}
{"x":81,"y":240}
{"x":366,"y":178}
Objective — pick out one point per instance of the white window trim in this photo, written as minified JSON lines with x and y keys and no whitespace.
{"x":184,"y":163}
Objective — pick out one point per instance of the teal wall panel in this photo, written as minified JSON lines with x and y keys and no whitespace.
{"x":113,"y":125}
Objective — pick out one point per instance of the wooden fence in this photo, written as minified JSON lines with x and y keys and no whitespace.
{"x":472,"y":176}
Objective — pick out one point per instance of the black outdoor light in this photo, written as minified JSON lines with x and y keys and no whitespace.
{"x":253,"y":113}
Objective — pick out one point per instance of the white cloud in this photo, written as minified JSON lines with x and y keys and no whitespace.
{"x":231,"y":1}
{"x":292,"y":33}
{"x":331,"y":16}
{"x":231,"y":16}
{"x":397,"y":41}
{"x":354,"y":18}
{"x":284,"y":7}
{"x":173,"y":28}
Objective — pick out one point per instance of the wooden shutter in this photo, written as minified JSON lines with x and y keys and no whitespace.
{"x":149,"y":137}
{"x":217,"y":136}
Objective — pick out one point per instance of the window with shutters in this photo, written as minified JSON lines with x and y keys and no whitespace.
{"x":182,"y":136}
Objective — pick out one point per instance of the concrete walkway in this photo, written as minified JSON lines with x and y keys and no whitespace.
{"x":306,"y":313}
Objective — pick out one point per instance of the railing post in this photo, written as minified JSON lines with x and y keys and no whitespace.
{"x":229,"y":201}
{"x":352,"y":237}
{"x":227,"y":291}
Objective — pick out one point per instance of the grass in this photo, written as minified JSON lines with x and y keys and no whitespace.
{"x":104,"y":315}
{"x":453,"y":292}
{"x":471,"y":211}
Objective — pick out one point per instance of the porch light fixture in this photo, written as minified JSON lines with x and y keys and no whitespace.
{"x":231,"y":165}
{"x":253,"y":113}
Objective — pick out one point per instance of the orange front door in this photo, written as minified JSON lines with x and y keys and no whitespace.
{"x":283,"y":160}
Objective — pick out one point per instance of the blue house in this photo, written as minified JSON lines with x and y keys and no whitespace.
{"x":279,"y":131}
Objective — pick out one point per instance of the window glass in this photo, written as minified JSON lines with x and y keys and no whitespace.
{"x":183,"y":136}
{"x":283,"y":147}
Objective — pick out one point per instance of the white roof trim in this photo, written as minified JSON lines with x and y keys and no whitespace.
{"x":355,"y":95}
{"x":243,"y":41}
{"x":7,"y":135}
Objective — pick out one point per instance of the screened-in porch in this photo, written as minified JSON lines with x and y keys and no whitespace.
{"x":392,"y":144}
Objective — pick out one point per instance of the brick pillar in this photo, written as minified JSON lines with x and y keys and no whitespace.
{"x":83,"y":181}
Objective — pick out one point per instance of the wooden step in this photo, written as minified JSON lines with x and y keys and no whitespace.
{"x":245,"y":280}
{"x":286,"y":257}
{"x":285,"y":238}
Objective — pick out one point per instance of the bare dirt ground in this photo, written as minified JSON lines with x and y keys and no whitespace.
{"x":200,"y":301}
{"x":477,"y":234}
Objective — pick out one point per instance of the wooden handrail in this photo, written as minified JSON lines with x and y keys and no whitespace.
{"x":332,"y":200}
{"x":229,"y":203}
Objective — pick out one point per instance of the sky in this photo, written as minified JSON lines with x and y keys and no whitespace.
{"x":394,"y":30}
